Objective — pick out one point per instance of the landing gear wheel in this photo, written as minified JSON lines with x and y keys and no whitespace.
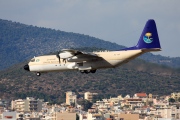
{"x":93,"y":71}
{"x":82,"y":71}
{"x":38,"y":73}
{"x":86,"y":71}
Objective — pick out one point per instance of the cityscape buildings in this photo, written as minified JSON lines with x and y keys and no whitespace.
{"x":140,"y":106}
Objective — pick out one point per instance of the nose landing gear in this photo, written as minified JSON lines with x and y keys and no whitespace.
{"x":38,"y":74}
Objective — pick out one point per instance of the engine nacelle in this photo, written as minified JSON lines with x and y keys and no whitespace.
{"x":76,"y":59}
{"x":65,"y":55}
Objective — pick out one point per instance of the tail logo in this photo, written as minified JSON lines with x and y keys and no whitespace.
{"x":147,"y":38}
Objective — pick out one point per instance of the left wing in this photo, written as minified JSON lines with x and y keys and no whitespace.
{"x":78,"y":56}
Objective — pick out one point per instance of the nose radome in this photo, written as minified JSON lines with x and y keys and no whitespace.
{"x":26,"y":67}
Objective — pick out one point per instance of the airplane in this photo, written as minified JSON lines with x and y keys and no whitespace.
{"x":89,"y":62}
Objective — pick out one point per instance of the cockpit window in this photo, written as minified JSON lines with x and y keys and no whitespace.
{"x":37,"y":60}
{"x":32,"y":60}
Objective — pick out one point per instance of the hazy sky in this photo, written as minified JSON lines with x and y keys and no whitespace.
{"x":119,"y":21}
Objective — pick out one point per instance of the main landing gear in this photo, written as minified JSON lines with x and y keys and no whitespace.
{"x":87,"y":71}
{"x":82,"y":71}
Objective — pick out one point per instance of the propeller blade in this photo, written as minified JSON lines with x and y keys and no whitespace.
{"x":58,"y":56}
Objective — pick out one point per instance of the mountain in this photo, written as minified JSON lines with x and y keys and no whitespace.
{"x":167,"y":61}
{"x":136,"y":76}
{"x":20,"y":42}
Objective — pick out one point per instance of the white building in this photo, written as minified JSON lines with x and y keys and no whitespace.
{"x":17,"y":105}
{"x":168,"y":112}
{"x":28,"y":104}
{"x":11,"y":115}
{"x":31,"y":104}
{"x":175,"y":95}
{"x":89,"y":96}
{"x":71,"y":98}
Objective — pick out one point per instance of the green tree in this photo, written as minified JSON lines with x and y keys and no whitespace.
{"x":171,"y":100}
{"x":96,"y":98}
{"x":86,"y":104}
{"x":178,"y":99}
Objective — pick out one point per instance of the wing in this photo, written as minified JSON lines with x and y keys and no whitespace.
{"x":78,"y":56}
{"x":71,"y":51}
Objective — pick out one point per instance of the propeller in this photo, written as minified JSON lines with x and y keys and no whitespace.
{"x":65,"y":54}
{"x":58,"y":56}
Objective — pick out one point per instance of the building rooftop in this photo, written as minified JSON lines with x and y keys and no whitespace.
{"x":141,"y":94}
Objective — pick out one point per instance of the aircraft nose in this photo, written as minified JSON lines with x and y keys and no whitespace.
{"x":26,"y":67}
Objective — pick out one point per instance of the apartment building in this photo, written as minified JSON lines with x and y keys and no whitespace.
{"x":132,"y":102}
{"x":28,"y":104}
{"x":17,"y":105}
{"x":166,"y":112}
{"x":142,"y":96}
{"x":123,"y":116}
{"x":31,"y":104}
{"x":94,"y":116}
{"x":89,"y":96}
{"x":10,"y":116}
{"x":66,"y":116}
{"x":102,"y":105}
{"x":71,"y":98}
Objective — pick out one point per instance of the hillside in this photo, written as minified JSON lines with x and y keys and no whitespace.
{"x":167,"y":61}
{"x":20,"y":42}
{"x":136,"y":76}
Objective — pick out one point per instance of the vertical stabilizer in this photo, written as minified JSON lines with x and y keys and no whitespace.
{"x":149,"y":38}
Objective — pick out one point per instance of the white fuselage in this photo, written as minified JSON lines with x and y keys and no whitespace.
{"x":109,"y":59}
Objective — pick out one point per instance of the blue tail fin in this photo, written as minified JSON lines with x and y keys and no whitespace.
{"x":149,"y":38}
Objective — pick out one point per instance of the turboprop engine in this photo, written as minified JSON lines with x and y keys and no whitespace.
{"x":65,"y":55}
